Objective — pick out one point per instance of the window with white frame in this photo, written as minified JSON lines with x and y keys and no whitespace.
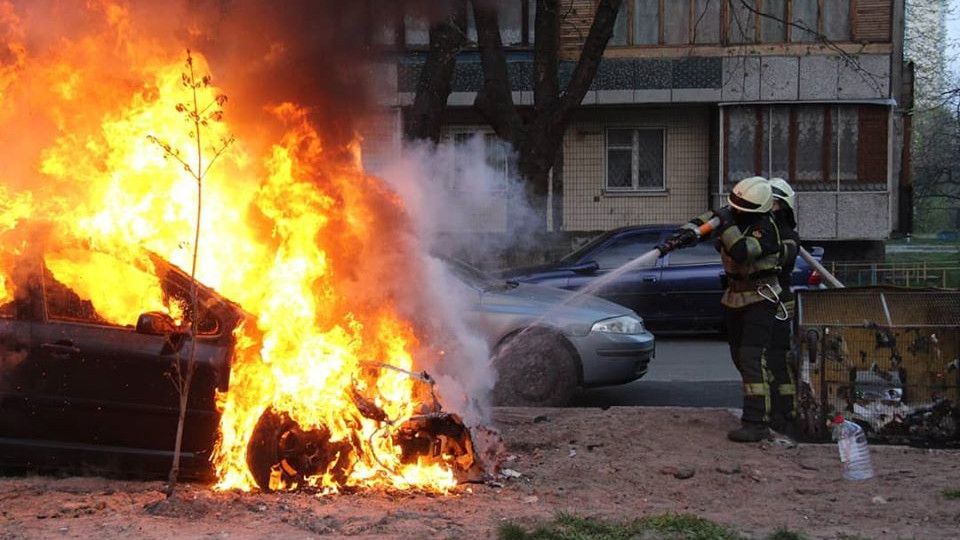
{"x":635,"y":159}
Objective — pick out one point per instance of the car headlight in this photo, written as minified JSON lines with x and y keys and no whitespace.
{"x":625,"y":324}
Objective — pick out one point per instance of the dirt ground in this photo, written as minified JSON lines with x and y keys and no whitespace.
{"x":619,"y":464}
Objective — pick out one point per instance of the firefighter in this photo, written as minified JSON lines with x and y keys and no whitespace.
{"x":782,"y":385}
{"x":750,"y":249}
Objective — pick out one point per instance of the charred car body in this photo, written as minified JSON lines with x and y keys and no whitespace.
{"x":74,"y":385}
{"x":81,"y":394}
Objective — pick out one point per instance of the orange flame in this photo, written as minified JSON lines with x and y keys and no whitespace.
{"x":287,"y":233}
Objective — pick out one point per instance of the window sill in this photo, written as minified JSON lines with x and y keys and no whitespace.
{"x":636,"y":193}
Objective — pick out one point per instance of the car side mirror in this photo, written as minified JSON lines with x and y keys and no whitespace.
{"x":589,"y":267}
{"x":156,"y":323}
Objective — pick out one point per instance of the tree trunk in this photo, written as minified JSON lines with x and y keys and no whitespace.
{"x":537,"y":140}
{"x":448,"y":37}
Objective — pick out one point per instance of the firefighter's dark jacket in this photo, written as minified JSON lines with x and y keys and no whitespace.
{"x":750,"y":249}
{"x":750,"y":252}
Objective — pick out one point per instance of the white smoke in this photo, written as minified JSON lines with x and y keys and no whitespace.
{"x":459,"y":196}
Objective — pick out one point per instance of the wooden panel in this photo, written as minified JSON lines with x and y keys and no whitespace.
{"x":872,"y":147}
{"x":872,"y":20}
{"x":575,"y":25}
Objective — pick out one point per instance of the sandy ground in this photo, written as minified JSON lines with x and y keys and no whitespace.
{"x":620,"y":464}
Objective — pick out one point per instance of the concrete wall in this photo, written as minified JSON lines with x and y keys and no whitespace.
{"x":843,"y":216}
{"x":809,"y":78}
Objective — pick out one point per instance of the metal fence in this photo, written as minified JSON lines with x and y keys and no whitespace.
{"x":900,"y":274}
{"x":887,"y":358}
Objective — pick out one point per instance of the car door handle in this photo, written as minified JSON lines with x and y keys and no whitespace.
{"x":60,"y":349}
{"x":649,"y":279}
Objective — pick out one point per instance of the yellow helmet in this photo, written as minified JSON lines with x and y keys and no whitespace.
{"x":752,"y":194}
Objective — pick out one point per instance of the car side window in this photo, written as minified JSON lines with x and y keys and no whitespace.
{"x":98,"y":288}
{"x":8,"y":309}
{"x":624,"y":249}
{"x":703,"y":253}
{"x":66,"y":305}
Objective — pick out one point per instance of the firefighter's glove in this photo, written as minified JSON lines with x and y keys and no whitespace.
{"x":680,"y":239}
{"x":726,"y":217}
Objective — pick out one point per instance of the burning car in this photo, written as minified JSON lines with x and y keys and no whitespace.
{"x":78,"y":388}
{"x":547,"y":343}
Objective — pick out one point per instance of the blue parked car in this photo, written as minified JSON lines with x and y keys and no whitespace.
{"x":681,"y":292}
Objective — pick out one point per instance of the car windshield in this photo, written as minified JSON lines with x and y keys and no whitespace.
{"x":472,"y":276}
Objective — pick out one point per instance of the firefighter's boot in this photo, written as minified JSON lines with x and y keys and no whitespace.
{"x":749,"y":432}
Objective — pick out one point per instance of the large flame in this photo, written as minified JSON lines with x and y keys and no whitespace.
{"x":285,"y":232}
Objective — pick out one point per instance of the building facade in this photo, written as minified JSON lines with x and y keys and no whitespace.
{"x":694,"y":95}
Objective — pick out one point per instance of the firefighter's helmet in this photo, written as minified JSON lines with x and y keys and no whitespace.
{"x":752,"y":194}
{"x":783,"y":191}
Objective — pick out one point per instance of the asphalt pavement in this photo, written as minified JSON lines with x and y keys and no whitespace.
{"x":686,"y":372}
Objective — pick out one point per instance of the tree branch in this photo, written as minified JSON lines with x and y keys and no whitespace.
{"x":546,"y":89}
{"x":447,"y":38}
{"x":494,"y":100}
{"x":600,"y":32}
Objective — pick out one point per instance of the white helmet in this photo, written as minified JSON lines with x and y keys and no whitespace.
{"x":783,"y":191}
{"x":752,"y":194}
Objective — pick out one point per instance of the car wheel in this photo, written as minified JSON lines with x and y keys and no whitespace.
{"x":280,"y":448}
{"x":535,"y":368}
{"x":263,"y":450}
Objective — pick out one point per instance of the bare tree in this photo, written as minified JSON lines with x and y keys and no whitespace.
{"x":537,"y":136}
{"x":199,"y":115}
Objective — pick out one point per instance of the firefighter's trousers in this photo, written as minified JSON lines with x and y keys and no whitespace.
{"x":750,"y":334}
{"x":783,"y":390}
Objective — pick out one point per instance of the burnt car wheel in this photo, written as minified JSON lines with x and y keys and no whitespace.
{"x":535,"y":368}
{"x":281,"y":455}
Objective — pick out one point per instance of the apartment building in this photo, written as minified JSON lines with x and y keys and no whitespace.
{"x":694,"y":95}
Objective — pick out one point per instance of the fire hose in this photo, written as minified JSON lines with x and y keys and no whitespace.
{"x":714,"y":222}
{"x":815,"y":264}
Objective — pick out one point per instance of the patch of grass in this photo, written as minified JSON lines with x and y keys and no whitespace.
{"x":785,"y":534}
{"x":665,"y":527}
{"x":952,"y":494}
{"x":687,"y":527}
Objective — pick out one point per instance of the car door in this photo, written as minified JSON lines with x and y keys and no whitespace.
{"x":692,"y":285}
{"x":32,"y":405}
{"x":636,"y":287}
{"x":17,"y":370}
{"x":116,"y":383}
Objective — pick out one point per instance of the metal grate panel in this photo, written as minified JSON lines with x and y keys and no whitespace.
{"x":885,"y":357}
{"x":940,"y":308}
{"x":838,"y":308}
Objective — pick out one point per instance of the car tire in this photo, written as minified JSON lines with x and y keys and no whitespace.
{"x":535,"y":368}
{"x":263,"y":450}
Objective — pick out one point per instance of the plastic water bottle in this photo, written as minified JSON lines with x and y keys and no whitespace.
{"x":854,"y":454}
